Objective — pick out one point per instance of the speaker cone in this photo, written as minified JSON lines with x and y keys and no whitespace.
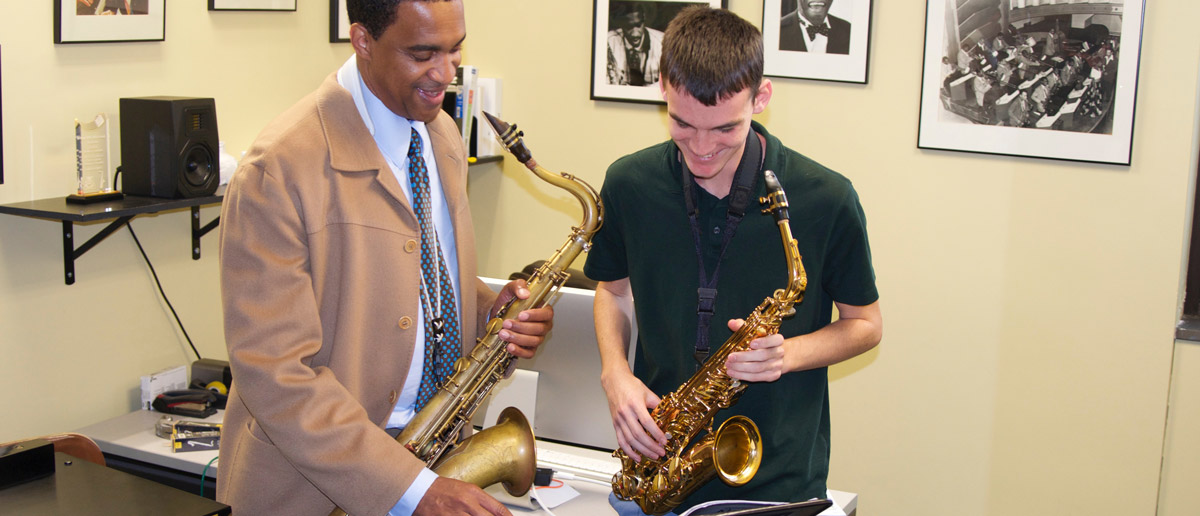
{"x":198,"y":166}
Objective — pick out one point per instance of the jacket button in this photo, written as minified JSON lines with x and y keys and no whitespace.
{"x":392,"y":397}
{"x":406,"y":322}
{"x":410,"y":245}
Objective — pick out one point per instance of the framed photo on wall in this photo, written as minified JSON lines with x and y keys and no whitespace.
{"x":339,"y":22}
{"x":626,"y":46}
{"x":826,"y":40}
{"x":94,"y":21}
{"x":1027,"y":78}
{"x":252,"y":5}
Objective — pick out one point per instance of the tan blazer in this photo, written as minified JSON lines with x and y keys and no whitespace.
{"x":319,"y":274}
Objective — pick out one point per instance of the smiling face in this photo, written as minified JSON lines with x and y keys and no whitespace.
{"x":815,"y":10}
{"x":410,"y":65}
{"x":712,"y":138}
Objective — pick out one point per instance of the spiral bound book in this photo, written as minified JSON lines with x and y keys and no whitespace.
{"x":752,"y":508}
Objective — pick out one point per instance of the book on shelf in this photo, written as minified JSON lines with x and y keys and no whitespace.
{"x":486,"y":143}
{"x":464,"y":107}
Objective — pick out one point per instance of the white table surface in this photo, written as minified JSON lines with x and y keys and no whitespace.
{"x":132,"y":436}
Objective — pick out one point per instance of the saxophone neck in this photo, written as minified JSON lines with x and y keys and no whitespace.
{"x":776,"y":204}
{"x":593,"y":211}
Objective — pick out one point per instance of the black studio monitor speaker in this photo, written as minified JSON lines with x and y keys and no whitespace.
{"x":169,"y":147}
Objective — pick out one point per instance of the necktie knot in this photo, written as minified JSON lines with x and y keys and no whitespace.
{"x":813,"y":30}
{"x":414,"y":145}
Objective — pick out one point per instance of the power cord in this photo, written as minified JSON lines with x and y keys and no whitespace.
{"x":160,"y":288}
{"x":571,"y":476}
{"x":204,"y":474}
{"x":541,"y":503}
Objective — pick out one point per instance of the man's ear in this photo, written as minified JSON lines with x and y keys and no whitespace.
{"x":361,"y":40}
{"x":662,"y":86}
{"x":763,"y":96}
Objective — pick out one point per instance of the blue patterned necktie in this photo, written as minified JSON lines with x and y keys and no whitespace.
{"x":437,"y":292}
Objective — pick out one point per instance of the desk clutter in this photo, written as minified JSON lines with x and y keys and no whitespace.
{"x":187,"y":436}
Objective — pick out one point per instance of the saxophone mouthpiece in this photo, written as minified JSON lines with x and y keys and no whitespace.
{"x":509,"y":137}
{"x":776,"y":199}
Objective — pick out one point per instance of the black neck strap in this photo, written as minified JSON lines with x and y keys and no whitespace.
{"x":739,"y":198}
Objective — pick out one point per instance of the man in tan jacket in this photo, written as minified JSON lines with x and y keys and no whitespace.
{"x":329,"y":315}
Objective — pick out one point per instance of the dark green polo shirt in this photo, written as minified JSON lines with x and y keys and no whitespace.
{"x":647,"y":238}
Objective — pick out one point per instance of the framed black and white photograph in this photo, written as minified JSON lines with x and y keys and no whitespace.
{"x":626,"y":46}
{"x":95,"y":21}
{"x":339,"y":22}
{"x":827,"y":40}
{"x":1030,"y":78}
{"x":252,"y":5}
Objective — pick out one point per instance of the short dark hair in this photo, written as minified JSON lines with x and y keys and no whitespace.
{"x":712,"y":54}
{"x":376,"y":15}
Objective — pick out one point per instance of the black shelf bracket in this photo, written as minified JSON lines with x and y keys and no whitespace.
{"x":199,"y":231}
{"x":70,"y":253}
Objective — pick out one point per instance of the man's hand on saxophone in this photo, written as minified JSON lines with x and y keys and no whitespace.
{"x":630,"y":403}
{"x":529,"y":329}
{"x":764,"y":362}
{"x":629,"y":400}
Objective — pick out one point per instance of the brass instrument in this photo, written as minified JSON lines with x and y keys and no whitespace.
{"x":734,"y":451}
{"x":503,"y":453}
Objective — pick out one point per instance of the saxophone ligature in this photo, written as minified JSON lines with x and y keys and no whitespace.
{"x":734,"y":451}
{"x":503,"y":453}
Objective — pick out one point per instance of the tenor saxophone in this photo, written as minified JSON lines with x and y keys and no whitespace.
{"x":503,"y":453}
{"x":734,"y":451}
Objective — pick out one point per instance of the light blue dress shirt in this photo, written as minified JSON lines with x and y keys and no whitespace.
{"x":392,"y":135}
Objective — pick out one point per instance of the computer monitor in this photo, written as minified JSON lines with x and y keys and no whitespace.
{"x":571,"y":406}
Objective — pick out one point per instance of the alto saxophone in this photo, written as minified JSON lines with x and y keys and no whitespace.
{"x":503,"y":453}
{"x":734,"y":451}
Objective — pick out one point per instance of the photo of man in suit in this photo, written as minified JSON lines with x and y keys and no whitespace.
{"x":808,"y":27}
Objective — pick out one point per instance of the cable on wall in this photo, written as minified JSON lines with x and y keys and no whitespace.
{"x":161,"y":292}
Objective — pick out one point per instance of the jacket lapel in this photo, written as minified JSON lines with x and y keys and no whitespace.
{"x":351,"y":147}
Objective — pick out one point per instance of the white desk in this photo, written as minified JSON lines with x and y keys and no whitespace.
{"x":132,"y":436}
{"x":593,"y":498}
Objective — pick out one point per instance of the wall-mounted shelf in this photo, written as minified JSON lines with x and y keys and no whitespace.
{"x":476,"y":160}
{"x":122,"y":211}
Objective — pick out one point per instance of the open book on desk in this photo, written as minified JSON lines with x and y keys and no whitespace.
{"x":753,"y":508}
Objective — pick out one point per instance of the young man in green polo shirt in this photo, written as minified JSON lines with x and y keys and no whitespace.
{"x":669,"y":240}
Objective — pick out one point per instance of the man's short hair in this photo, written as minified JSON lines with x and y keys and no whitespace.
{"x":712,"y":54}
{"x":376,"y":15}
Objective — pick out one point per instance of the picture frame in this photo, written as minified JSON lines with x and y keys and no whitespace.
{"x":339,"y":22}
{"x":840,"y":54}
{"x":252,"y":5}
{"x":1054,"y":81}
{"x":94,"y":21}
{"x":611,"y":79}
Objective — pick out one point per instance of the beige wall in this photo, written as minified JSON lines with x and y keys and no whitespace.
{"x":1027,"y":361}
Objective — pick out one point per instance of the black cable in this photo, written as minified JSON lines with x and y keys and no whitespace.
{"x":161,"y":292}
